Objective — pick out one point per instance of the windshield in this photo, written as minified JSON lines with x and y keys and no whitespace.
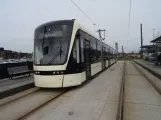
{"x":51,"y":44}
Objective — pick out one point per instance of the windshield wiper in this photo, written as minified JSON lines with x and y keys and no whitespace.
{"x":44,"y":37}
{"x":58,"y":53}
{"x":54,"y":58}
{"x":60,"y":49}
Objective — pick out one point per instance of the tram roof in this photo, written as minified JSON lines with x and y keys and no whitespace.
{"x":90,"y":33}
{"x":70,"y":22}
{"x":56,"y":22}
{"x":157,"y":40}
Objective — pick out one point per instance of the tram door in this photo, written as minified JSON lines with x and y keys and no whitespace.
{"x":103,"y":60}
{"x":87,"y":58}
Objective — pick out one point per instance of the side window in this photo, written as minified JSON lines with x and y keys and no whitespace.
{"x":93,"y":49}
{"x":87,"y":50}
{"x":98,"y":50}
{"x":82,"y":49}
{"x":82,"y":46}
{"x":76,"y":49}
{"x":74,"y":52}
{"x":104,"y":51}
{"x":110,"y":51}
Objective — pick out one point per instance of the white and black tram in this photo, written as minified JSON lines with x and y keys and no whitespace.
{"x":65,"y":54}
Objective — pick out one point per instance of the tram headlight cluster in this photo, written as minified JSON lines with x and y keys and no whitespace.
{"x":48,"y":72}
{"x":37,"y":72}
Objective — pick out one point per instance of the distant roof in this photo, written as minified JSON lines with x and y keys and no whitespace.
{"x":147,"y":46}
{"x":1,"y":49}
{"x":56,"y":22}
{"x":157,"y":40}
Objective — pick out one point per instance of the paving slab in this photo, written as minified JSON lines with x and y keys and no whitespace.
{"x":110,"y":111}
{"x":90,"y":101}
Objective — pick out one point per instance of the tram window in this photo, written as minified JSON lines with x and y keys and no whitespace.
{"x":77,"y":50}
{"x":82,"y":50}
{"x":108,"y":51}
{"x":74,"y":52}
{"x":93,"y":49}
{"x":82,"y":36}
{"x":96,"y":49}
{"x":104,"y":51}
{"x":87,"y":51}
{"x":98,"y":54}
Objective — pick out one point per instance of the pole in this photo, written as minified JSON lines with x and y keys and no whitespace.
{"x":116,"y":47}
{"x":153,"y":39}
{"x":156,"y":55}
{"x":141,"y":41}
{"x":122,"y":50}
{"x":153,"y":34}
{"x":94,"y":27}
{"x":99,"y":31}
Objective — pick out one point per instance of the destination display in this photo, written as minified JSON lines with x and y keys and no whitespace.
{"x":53,"y":34}
{"x":50,"y":34}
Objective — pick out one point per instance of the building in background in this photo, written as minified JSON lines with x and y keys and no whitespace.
{"x":9,"y":54}
{"x":1,"y":52}
{"x":148,"y":49}
{"x":157,"y":43}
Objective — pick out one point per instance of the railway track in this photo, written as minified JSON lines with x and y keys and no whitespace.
{"x":158,"y":88}
{"x":134,"y":85}
{"x":20,"y":106}
{"x":147,"y":95}
{"x":119,"y":115}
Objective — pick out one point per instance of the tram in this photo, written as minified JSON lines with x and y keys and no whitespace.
{"x":66,"y":54}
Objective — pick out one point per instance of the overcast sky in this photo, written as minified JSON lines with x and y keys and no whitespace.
{"x":19,"y":18}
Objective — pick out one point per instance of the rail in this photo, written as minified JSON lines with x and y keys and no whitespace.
{"x":153,"y":84}
{"x":121,"y":97}
{"x":17,"y":96}
{"x":151,"y":71}
{"x":42,"y":105}
{"x":11,"y":103}
{"x":121,"y":107}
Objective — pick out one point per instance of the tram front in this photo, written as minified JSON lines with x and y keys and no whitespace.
{"x":51,"y":48}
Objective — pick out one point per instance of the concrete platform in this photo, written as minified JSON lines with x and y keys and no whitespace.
{"x":94,"y":100}
{"x":10,"y":87}
{"x":142,"y":101}
{"x":155,"y":80}
{"x":156,"y":70}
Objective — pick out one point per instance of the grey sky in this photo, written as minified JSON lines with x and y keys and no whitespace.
{"x":19,"y":18}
